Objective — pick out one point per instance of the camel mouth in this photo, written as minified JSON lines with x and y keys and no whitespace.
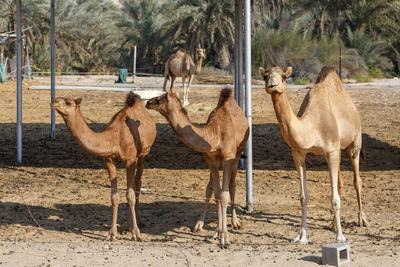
{"x":54,"y":104}
{"x":273,"y":87}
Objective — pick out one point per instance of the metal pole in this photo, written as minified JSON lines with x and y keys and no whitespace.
{"x":240,"y":55}
{"x":53,"y":68}
{"x":236,"y":49}
{"x":134,"y":64}
{"x":340,"y":61}
{"x":19,"y":85}
{"x":249,"y":146}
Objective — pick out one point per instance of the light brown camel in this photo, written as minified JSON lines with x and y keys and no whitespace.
{"x":326,"y":123}
{"x":181,"y":64}
{"x":221,"y":140}
{"x":128,"y":137}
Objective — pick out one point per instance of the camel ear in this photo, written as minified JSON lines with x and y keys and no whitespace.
{"x":78,"y":101}
{"x":287,"y":72}
{"x":262,"y":71}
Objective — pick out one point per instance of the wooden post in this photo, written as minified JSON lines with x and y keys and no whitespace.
{"x":340,"y":61}
{"x":134,"y":64}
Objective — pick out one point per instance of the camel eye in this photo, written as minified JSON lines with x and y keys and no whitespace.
{"x":68,"y":103}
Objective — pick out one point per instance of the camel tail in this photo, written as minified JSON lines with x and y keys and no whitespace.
{"x":224,"y":95}
{"x":363,"y":156}
{"x":131,"y":99}
{"x":167,"y":74}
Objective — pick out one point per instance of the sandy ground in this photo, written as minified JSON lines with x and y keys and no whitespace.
{"x":55,"y":207}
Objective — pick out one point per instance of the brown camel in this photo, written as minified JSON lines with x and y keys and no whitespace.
{"x":128,"y":137}
{"x":181,"y":64}
{"x":326,"y":123}
{"x":221,"y":140}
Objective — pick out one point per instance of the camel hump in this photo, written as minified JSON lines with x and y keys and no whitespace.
{"x":224,"y":95}
{"x":324,"y":73}
{"x":131,"y":99}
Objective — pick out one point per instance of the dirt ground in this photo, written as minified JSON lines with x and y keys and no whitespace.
{"x":55,"y":207}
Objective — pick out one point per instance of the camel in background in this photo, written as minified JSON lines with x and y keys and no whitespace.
{"x":128,"y":137}
{"x":221,"y":140}
{"x":181,"y":64}
{"x":326,"y":123}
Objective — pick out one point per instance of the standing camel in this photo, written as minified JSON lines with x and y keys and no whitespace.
{"x":221,"y":140}
{"x":326,"y":123}
{"x":128,"y":137}
{"x":181,"y":64}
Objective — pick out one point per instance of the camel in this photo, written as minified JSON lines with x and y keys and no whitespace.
{"x":128,"y":137}
{"x":221,"y":141}
{"x":327,"y":122}
{"x":181,"y":64}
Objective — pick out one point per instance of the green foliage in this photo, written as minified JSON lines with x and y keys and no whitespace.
{"x":277,"y":48}
{"x":376,"y":72}
{"x":301,"y":81}
{"x":96,"y":35}
{"x":362,"y":77}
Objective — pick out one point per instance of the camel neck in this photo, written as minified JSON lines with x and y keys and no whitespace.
{"x":289,"y":123}
{"x":99,"y":144}
{"x":195,"y":137}
{"x":198,"y":65}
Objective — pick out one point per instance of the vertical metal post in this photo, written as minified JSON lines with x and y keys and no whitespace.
{"x":19,"y":85}
{"x":238,"y":28}
{"x":53,"y":68}
{"x":240,"y":54}
{"x":340,"y":61}
{"x":134,"y":64}
{"x":239,"y":59}
{"x":249,"y":145}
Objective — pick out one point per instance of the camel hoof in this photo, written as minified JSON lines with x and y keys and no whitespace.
{"x":333,"y":225}
{"x":198,"y":227}
{"x":111,"y":238}
{"x":363,"y":220}
{"x":236,"y":226}
{"x":300,"y":240}
{"x":224,"y":241}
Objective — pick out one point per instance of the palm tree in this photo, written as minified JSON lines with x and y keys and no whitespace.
{"x":205,"y":23}
{"x":141,"y":24}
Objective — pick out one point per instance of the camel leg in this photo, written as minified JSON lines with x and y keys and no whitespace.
{"x":191,"y":77}
{"x":185,"y":103}
{"x":357,"y":184}
{"x":209,"y":191}
{"x":130,"y":197}
{"x":340,"y":190}
{"x":299,"y":162}
{"x":232,"y":190}
{"x":333,"y":165}
{"x":165,"y":83}
{"x":171,"y":89}
{"x":112,"y":173}
{"x":138,"y":185}
{"x":227,"y":173}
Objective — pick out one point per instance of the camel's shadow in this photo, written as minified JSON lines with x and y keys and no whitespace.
{"x":160,"y":218}
{"x":270,"y":152}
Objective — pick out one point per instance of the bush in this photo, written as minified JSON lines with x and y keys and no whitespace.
{"x":301,"y":81}
{"x":362,"y":78}
{"x":376,"y":72}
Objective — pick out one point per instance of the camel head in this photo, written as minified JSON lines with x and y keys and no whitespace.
{"x":66,"y":106}
{"x":200,"y":53}
{"x":275,"y":79}
{"x":165,"y":103}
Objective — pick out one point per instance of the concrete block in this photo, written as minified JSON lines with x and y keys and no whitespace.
{"x":335,"y":254}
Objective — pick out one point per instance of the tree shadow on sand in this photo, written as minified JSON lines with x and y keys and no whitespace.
{"x":270,"y":152}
